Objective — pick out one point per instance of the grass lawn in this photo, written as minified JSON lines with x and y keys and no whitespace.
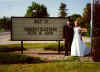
{"x":3,"y":30}
{"x":30,"y":45}
{"x":51,"y":46}
{"x":52,"y":67}
{"x":11,"y":52}
{"x":22,"y":63}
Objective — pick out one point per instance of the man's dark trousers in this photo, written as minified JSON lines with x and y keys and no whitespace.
{"x":68,"y":36}
{"x":68,"y":43}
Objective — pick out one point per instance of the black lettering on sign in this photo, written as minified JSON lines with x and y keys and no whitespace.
{"x":30,"y":31}
{"x":45,"y":21}
{"x":48,"y":33}
{"x":40,"y":30}
{"x":39,"y":21}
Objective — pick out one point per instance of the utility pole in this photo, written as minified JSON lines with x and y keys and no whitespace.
{"x":91,"y":25}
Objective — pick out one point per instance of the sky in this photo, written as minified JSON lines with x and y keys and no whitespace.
{"x":19,"y":7}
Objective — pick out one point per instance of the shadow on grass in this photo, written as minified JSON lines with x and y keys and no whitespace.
{"x":54,"y":47}
{"x":51,"y":53}
{"x":8,"y":55}
{"x":6,"y":58}
{"x":69,"y":59}
{"x":73,"y":59}
{"x":10,"y":49}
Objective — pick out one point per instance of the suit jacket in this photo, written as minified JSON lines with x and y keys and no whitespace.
{"x":68,"y":32}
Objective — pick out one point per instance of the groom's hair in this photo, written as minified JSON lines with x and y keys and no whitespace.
{"x":69,"y":19}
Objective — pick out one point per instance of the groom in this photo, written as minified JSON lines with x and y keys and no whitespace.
{"x":68,"y":35}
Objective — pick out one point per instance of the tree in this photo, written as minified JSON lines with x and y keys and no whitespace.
{"x":62,"y":10}
{"x":87,"y":13}
{"x":75,"y":16}
{"x":37,"y":10}
{"x":5,"y":23}
{"x":87,"y":17}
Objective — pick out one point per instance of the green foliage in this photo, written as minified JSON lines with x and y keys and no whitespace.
{"x":29,"y":11}
{"x":87,"y":13}
{"x":3,"y":30}
{"x":39,"y":10}
{"x":62,"y":10}
{"x":5,"y":23}
{"x":86,"y":18}
{"x":78,"y":20}
{"x":75,"y":16}
{"x":73,"y":59}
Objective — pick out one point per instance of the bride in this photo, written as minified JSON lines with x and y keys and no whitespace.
{"x":78,"y":47}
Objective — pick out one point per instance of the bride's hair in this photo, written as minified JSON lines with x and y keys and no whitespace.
{"x":76,"y":23}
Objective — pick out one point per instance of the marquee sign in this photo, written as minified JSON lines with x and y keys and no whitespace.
{"x":35,"y":29}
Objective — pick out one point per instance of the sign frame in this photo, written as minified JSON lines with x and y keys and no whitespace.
{"x":33,"y":17}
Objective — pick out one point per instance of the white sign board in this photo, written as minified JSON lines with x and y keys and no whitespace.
{"x":35,"y":29}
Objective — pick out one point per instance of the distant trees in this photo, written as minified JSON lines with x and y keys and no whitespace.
{"x":5,"y":23}
{"x":37,"y":10}
{"x":87,"y":13}
{"x":62,"y":10}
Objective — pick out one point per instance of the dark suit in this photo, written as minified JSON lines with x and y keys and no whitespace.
{"x":68,"y":36}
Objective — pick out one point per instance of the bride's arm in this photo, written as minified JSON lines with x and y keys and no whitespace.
{"x":83,"y":29}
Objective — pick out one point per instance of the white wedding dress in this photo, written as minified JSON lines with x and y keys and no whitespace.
{"x":78,"y":47}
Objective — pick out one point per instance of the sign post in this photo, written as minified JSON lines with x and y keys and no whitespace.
{"x":22,"y":47}
{"x":59,"y":50}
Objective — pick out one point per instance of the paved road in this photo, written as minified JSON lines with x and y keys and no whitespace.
{"x":4,"y":36}
{"x":5,"y":39}
{"x":4,"y":33}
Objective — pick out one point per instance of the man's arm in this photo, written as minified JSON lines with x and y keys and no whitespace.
{"x":64,"y":32}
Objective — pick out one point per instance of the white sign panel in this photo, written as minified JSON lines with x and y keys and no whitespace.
{"x":35,"y":29}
